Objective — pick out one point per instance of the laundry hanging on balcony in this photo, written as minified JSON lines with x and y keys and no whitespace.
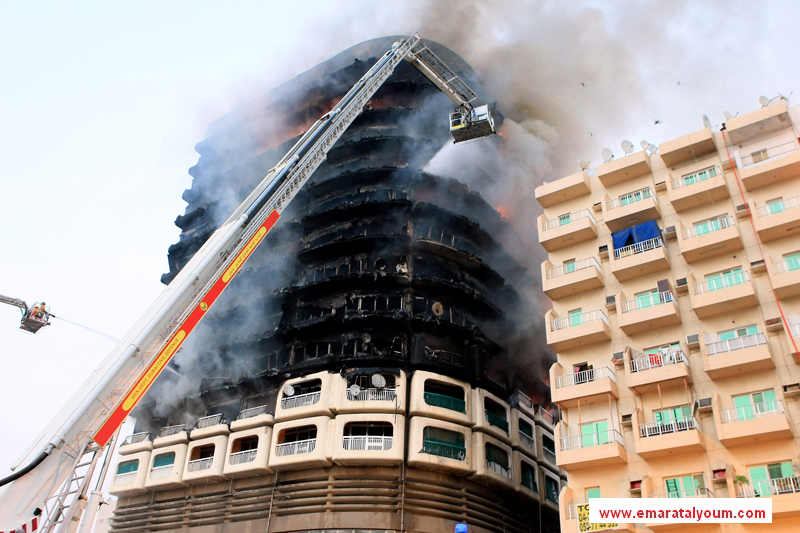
{"x":636,"y":234}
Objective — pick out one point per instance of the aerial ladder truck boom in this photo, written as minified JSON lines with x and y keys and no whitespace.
{"x":34,"y":318}
{"x":53,"y":476}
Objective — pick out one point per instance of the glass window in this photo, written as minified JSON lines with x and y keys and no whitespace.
{"x":725,"y":279}
{"x":551,"y":488}
{"x":760,"y":476}
{"x":594,"y":434}
{"x":775,"y":206}
{"x":564,"y":219}
{"x":497,"y":455}
{"x":128,"y":466}
{"x":685,"y":486}
{"x":525,"y":428}
{"x":792,"y":261}
{"x":297,"y":434}
{"x":673,"y":414}
{"x":529,"y":477}
{"x":576,"y":317}
{"x":548,"y":444}
{"x":592,"y":493}
{"x":740,"y":332}
{"x":749,"y":405}
{"x":165,"y":459}
{"x":371,"y":429}
{"x":569,"y":266}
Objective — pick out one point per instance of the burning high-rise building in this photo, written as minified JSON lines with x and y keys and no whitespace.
{"x":363,"y":356}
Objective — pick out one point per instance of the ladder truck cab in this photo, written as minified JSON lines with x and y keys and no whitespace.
{"x":34,"y":318}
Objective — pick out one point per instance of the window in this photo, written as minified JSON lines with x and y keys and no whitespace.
{"x":761,"y":476}
{"x":297,"y":434}
{"x":592,"y":493}
{"x":686,"y":486}
{"x":245,"y":444}
{"x":635,"y":197}
{"x":528,"y":473}
{"x":710,"y":225}
{"x":749,"y":406}
{"x":677,"y":415}
{"x":370,"y":429}
{"x":792,"y":261}
{"x":551,"y":489}
{"x":128,"y":467}
{"x":548,"y":444}
{"x":594,"y":434}
{"x":444,"y":443}
{"x":775,"y":206}
{"x":525,"y":428}
{"x":365,"y":381}
{"x":576,"y":317}
{"x":740,"y":332}
{"x":307,"y":387}
{"x":564,"y":219}
{"x":569,"y":266}
{"x":497,"y":460}
{"x":700,"y":176}
{"x":438,"y":394}
{"x":725,"y":279}
{"x":760,"y":155}
{"x":165,"y":459}
{"x":202,"y":452}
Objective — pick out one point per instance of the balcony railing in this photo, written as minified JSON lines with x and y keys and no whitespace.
{"x":585,"y":376}
{"x":652,"y":429}
{"x":527,"y":441}
{"x":367,"y":443}
{"x":496,"y":421}
{"x":547,"y":416}
{"x":589,"y":440}
{"x":645,"y":302}
{"x":549,"y":455}
{"x":737,"y":343}
{"x":208,"y":421}
{"x":577,"y":320}
{"x":711,"y":226}
{"x":657,"y":360}
{"x":296,"y":447}
{"x":247,"y":456}
{"x":498,"y":468}
{"x":627,"y":199}
{"x":696,"y":177}
{"x":751,"y":411}
{"x":700,"y":492}
{"x":125,"y":479}
{"x":300,"y":400}
{"x":171,"y":430}
{"x":769,"y":487}
{"x":569,"y":268}
{"x":199,"y":464}
{"x":160,"y":472}
{"x":778,"y":207}
{"x":571,"y":511}
{"x":639,"y":247}
{"x":443,"y":449}
{"x":794,"y":330}
{"x":372,"y":395}
{"x":446,"y":402}
{"x":136,"y":438}
{"x":251,"y":412}
{"x":768,"y":153}
{"x":566,"y":219}
{"x":786,"y":266}
{"x":723,"y":282}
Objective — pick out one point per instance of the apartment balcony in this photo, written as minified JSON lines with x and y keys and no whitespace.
{"x":369,"y":450}
{"x":647,"y":314}
{"x":649,"y":371}
{"x":312,"y":448}
{"x":571,"y":278}
{"x":591,"y":450}
{"x":577,"y":330}
{"x":624,"y":169}
{"x":171,"y":435}
{"x":199,"y":469}
{"x":697,"y":189}
{"x":688,"y":147}
{"x":639,"y":259}
{"x":131,"y":474}
{"x":778,"y":220}
{"x":566,"y":230}
{"x":719,"y":236}
{"x":138,"y":442}
{"x":587,"y":386}
{"x":786,"y":279}
{"x":252,"y":417}
{"x":166,"y":468}
{"x":523,"y":433}
{"x":736,"y":356}
{"x":770,"y":166}
{"x":252,"y":461}
{"x":631,"y":208}
{"x":210,"y":426}
{"x":491,"y":415}
{"x":388,"y":399}
{"x":784,"y":493}
{"x":428,"y":453}
{"x":667,"y":438}
{"x":440,"y":406}
{"x":752,"y":423}
{"x":564,"y":189}
{"x":751,"y":125}
{"x":723,"y":295}
{"x":495,"y":471}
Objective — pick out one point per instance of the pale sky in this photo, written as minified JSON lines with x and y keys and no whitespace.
{"x":101,"y":105}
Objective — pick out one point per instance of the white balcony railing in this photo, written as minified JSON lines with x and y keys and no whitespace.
{"x":563,"y":220}
{"x":571,"y":511}
{"x":768,"y":153}
{"x":199,"y":464}
{"x":589,"y":440}
{"x":301,"y":400}
{"x":769,"y":487}
{"x":737,"y":343}
{"x":238,"y":458}
{"x":631,"y":197}
{"x":639,"y":247}
{"x":644,"y":302}
{"x":711,"y":226}
{"x":652,"y":429}
{"x":498,"y":468}
{"x":367,"y":443}
{"x":778,"y":207}
{"x":657,"y":360}
{"x":208,"y":421}
{"x":794,"y":330}
{"x":372,"y":395}
{"x":577,"y":320}
{"x":723,"y":282}
{"x":695,"y":177}
{"x":160,"y":472}
{"x":785,"y":266}
{"x":296,"y":447}
{"x":700,"y":492}
{"x":585,"y":376}
{"x":573,"y":267}
{"x":751,"y":411}
{"x":253,"y":411}
{"x":121,"y":480}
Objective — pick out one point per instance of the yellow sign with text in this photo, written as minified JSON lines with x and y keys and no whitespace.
{"x":583,"y":520}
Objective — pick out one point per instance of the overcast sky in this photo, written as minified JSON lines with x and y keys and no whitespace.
{"x":101,"y":105}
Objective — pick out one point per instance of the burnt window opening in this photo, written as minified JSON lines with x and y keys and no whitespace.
{"x":202,"y":452}
{"x":369,"y":429}
{"x":245,"y":444}
{"x":380,"y":264}
{"x":438,"y":394}
{"x":498,"y":456}
{"x":444,"y":443}
{"x":525,"y":428}
{"x":297,"y":434}
{"x":443,"y":389}
{"x":364,"y":381}
{"x":528,"y":474}
{"x":375,"y":303}
{"x":445,"y":356}
{"x":494,"y":408}
{"x":307,"y":387}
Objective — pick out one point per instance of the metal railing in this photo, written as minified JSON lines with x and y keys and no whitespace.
{"x":571,"y":511}
{"x":549,"y":455}
{"x":370,"y":395}
{"x":527,"y":441}
{"x":498,"y":468}
{"x":778,"y":207}
{"x":208,"y":421}
{"x":639,"y":247}
{"x":238,"y":458}
{"x":547,"y":416}
{"x":301,"y":400}
{"x":577,"y":320}
{"x":444,"y":449}
{"x":657,"y":360}
{"x":171,"y":430}
{"x":446,"y":402}
{"x":700,"y":492}
{"x":160,"y":472}
{"x":768,"y":153}
{"x":496,"y":421}
{"x":769,"y":487}
{"x":751,"y":411}
{"x":125,"y":479}
{"x":652,"y":429}
{"x":251,"y":412}
{"x":631,"y":197}
{"x":585,"y":376}
{"x":725,"y":221}
{"x":783,"y":266}
{"x":569,"y":268}
{"x":695,"y":177}
{"x":296,"y":447}
{"x":567,"y":219}
{"x":794,"y":330}
{"x":199,"y":464}
{"x":723,"y":282}
{"x":367,"y":443}
{"x":736,"y":343}
{"x":646,"y":302}
{"x":136,"y":438}
{"x":589,"y":440}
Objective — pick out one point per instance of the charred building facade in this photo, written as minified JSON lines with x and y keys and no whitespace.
{"x":362,"y":357}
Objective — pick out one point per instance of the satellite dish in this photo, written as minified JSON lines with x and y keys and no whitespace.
{"x":607,"y":154}
{"x":706,"y":121}
{"x":378,"y":381}
{"x":288,"y":390}
{"x":627,"y":147}
{"x":652,"y":149}
{"x":437,"y":308}
{"x":728,"y":115}
{"x":763,"y":100}
{"x":366,"y":338}
{"x":584,"y":164}
{"x":354,"y":389}
{"x":644,"y":144}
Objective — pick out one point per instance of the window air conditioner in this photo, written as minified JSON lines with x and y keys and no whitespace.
{"x":704,"y":405}
{"x":693,"y":341}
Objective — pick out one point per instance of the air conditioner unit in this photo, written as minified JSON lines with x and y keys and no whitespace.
{"x":619,"y":358}
{"x":741,"y":211}
{"x":757,"y":266}
{"x":791,"y":390}
{"x":693,"y":341}
{"x":670,"y":233}
{"x":627,"y":420}
{"x":774,"y":324}
{"x":661,"y":186}
{"x":681,"y":285}
{"x":603,"y":251}
{"x":611,"y":303}
{"x":598,"y":207}
{"x":704,"y":405}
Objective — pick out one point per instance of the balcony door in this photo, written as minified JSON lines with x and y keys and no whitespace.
{"x":677,"y":416}
{"x":761,"y":476}
{"x":594,"y":434}
{"x":686,"y":486}
{"x":792,"y":261}
{"x":741,"y":332}
{"x":748,"y":406}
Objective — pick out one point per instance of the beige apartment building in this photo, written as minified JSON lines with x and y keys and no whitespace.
{"x":675,"y":281}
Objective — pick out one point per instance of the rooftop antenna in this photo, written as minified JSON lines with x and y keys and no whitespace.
{"x":584,"y":164}
{"x":707,"y":122}
{"x":627,"y":147}
{"x":763,"y":100}
{"x":729,"y":115}
{"x":288,"y":390}
{"x":607,"y":154}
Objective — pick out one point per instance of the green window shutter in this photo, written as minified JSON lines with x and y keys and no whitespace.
{"x":714,"y":282}
{"x":744,"y":409}
{"x":770,"y":404}
{"x":776,"y":207}
{"x":786,"y":469}
{"x":128,"y":467}
{"x":601,"y":428}
{"x":165,"y":459}
{"x":728,"y":335}
{"x":688,"y":486}
{"x":760,"y":481}
{"x":673,"y":488}
{"x":774,"y":471}
{"x":793,"y":261}
{"x":563,"y":219}
{"x":701,"y":229}
{"x":593,"y":493}
{"x":752,"y":330}
{"x":576,"y":318}
{"x":569,"y":267}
